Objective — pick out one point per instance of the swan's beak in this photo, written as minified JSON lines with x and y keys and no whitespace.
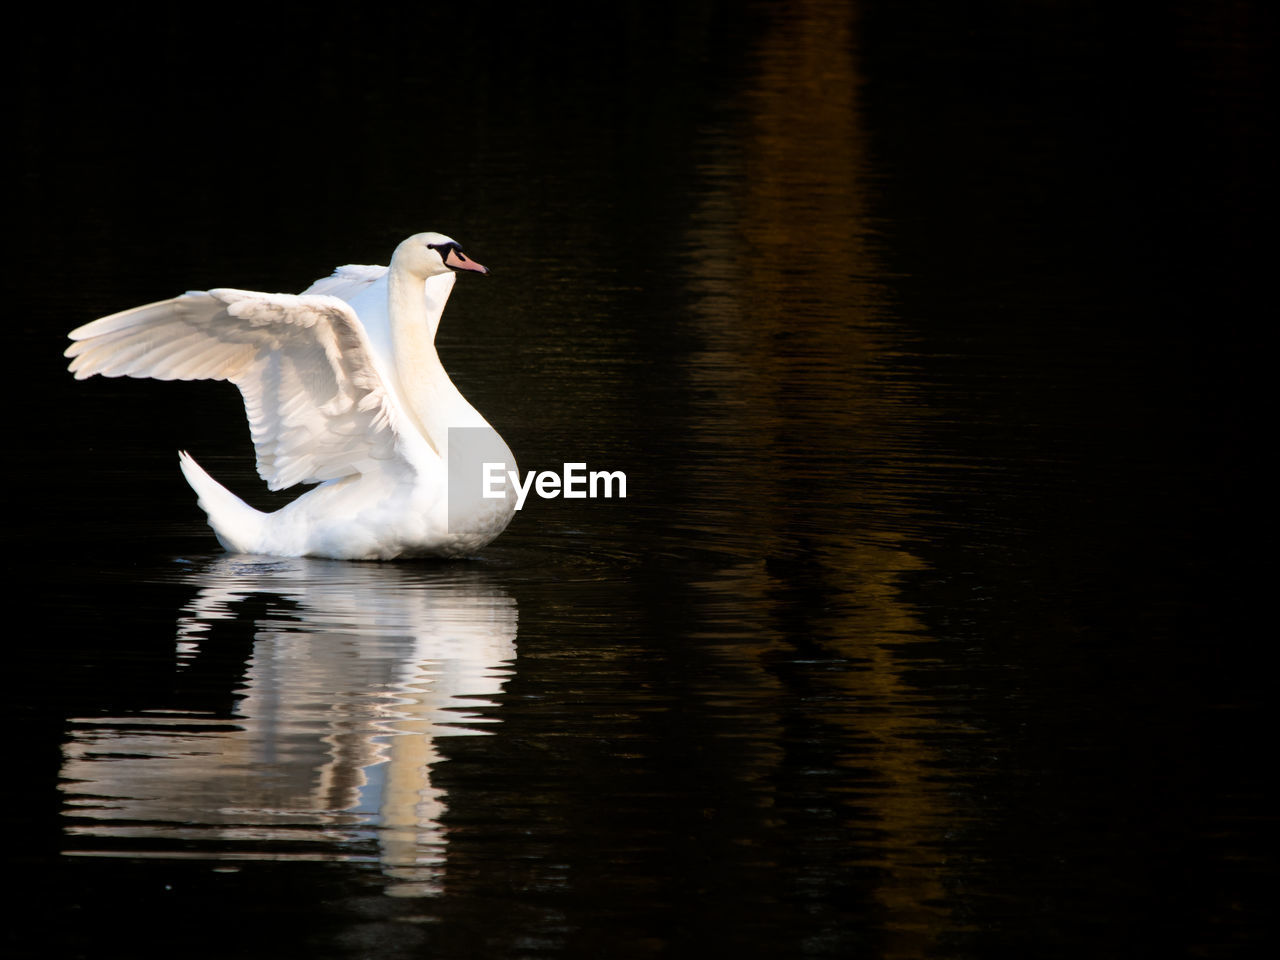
{"x":459,"y":261}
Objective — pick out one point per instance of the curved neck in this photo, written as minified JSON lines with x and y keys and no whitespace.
{"x":429,"y":396}
{"x":413,"y":328}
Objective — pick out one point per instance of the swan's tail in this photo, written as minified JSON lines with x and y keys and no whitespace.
{"x":237,"y":525}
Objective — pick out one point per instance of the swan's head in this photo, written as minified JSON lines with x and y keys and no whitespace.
{"x":430,"y":254}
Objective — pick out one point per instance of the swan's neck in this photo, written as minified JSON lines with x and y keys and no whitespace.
{"x":429,"y":395}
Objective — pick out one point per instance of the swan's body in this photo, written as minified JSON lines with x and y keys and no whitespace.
{"x":342,"y":387}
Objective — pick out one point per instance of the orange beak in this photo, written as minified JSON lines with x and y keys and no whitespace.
{"x":459,"y":261}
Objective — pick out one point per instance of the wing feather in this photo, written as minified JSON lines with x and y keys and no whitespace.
{"x":347,"y":281}
{"x":318,"y":408}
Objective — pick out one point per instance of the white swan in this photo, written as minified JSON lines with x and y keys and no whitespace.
{"x":343,"y":387}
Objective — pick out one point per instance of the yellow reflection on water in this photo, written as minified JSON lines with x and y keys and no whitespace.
{"x":796,"y":386}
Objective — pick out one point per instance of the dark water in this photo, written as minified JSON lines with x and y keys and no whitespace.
{"x":924,"y":629}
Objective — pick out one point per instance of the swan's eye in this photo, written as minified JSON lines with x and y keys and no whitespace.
{"x":444,"y":248}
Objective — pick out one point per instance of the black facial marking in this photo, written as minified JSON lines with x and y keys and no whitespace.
{"x":444,"y":248}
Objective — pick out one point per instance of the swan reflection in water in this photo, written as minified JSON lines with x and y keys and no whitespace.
{"x":355,"y":670}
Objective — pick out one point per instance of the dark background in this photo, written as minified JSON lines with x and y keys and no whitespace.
{"x":1009,"y":322}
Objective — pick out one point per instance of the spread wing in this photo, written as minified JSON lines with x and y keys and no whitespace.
{"x":346,"y":282}
{"x":318,"y":408}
